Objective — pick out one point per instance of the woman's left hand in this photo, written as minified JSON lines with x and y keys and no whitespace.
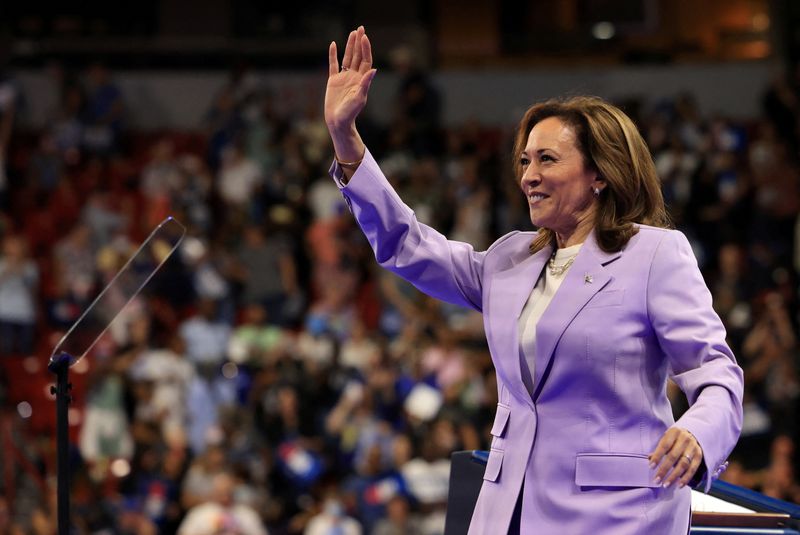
{"x":678,"y":455}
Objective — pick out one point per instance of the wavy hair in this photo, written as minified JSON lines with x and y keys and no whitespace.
{"x":612,"y":146}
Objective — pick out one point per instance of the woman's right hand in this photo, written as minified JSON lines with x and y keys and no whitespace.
{"x":346,"y":93}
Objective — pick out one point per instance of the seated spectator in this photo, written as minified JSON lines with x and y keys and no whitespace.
{"x":315,"y":346}
{"x":198,"y":483}
{"x":374,"y":485}
{"x":206,"y":337}
{"x":284,"y":419}
{"x":427,"y":476}
{"x":332,"y":520}
{"x":398,"y":520}
{"x":256,"y":341}
{"x":152,"y":490}
{"x":359,"y":351}
{"x":221,"y":514}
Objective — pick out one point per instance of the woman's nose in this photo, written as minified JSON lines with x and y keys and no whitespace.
{"x":530,"y":177}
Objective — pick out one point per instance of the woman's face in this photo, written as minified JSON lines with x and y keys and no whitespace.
{"x":555,"y":180}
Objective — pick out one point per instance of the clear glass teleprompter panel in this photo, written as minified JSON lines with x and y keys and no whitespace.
{"x":125,"y":285}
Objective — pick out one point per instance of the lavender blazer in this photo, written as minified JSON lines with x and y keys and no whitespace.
{"x":618,"y":327}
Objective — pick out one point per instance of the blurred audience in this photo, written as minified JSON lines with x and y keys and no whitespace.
{"x":271,"y":378}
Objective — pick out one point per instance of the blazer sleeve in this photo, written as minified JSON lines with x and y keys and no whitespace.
{"x":692,"y":336}
{"x":442,"y":268}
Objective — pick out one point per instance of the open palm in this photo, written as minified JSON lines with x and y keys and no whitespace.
{"x":346,"y":92}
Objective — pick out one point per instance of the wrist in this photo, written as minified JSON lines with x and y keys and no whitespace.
{"x":348,"y":147}
{"x":351,"y":164}
{"x":342,"y":131}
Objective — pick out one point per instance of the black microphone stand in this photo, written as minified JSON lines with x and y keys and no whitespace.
{"x":59,"y":365}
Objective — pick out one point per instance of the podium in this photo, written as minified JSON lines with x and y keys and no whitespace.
{"x":770,"y":516}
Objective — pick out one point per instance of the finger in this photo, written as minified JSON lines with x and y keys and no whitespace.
{"x":333,"y":61}
{"x":356,"y":63}
{"x":366,"y":53}
{"x":366,"y":81}
{"x":348,"y":49}
{"x":663,"y":446}
{"x":697,"y":460}
{"x":677,"y":459}
{"x":679,"y":466}
{"x":671,"y":457}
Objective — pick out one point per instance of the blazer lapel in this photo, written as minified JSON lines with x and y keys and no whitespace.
{"x":586,"y":277}
{"x":509,"y":291}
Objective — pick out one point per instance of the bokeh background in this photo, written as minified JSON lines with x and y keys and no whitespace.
{"x":271,"y":378}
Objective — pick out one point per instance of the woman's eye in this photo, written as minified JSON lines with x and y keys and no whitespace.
{"x":524,"y":161}
{"x":546,"y":158}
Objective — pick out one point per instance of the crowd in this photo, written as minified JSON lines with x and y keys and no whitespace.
{"x":272,"y":379}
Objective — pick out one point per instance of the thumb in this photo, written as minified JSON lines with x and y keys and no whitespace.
{"x":366,"y":80}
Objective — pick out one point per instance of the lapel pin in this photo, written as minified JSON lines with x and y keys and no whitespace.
{"x":587,"y":279}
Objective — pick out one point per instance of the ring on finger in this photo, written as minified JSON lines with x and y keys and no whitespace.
{"x":345,"y":68}
{"x":688,"y":458}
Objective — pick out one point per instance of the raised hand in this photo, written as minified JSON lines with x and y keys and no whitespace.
{"x":346,"y":93}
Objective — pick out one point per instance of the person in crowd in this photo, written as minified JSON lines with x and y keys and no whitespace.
{"x":67,"y":124}
{"x":586,"y":319}
{"x":239,"y":178}
{"x":19,"y":280}
{"x":205,"y":335}
{"x":261,"y":253}
{"x":8,"y":107}
{"x":103,"y":114}
{"x":332,"y":519}
{"x":399,"y":519}
{"x":222,"y":514}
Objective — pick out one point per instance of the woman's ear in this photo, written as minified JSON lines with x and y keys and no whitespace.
{"x":600,"y":180}
{"x":598,"y":185}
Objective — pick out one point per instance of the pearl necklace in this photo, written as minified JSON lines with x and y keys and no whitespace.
{"x":556,"y":270}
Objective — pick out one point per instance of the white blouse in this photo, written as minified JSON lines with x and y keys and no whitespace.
{"x":541,"y":295}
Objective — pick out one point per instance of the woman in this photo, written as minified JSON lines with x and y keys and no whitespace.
{"x":585,"y":319}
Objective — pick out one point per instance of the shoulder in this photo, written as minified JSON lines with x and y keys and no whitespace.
{"x":652,"y":246}
{"x":512,"y":241}
{"x":651,"y":238}
{"x":656,"y":234}
{"x":511,"y":248}
{"x":663,"y":250}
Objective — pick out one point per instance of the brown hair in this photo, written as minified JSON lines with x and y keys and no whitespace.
{"x":612,"y":146}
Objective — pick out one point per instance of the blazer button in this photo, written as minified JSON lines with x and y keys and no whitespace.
{"x":721,"y":468}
